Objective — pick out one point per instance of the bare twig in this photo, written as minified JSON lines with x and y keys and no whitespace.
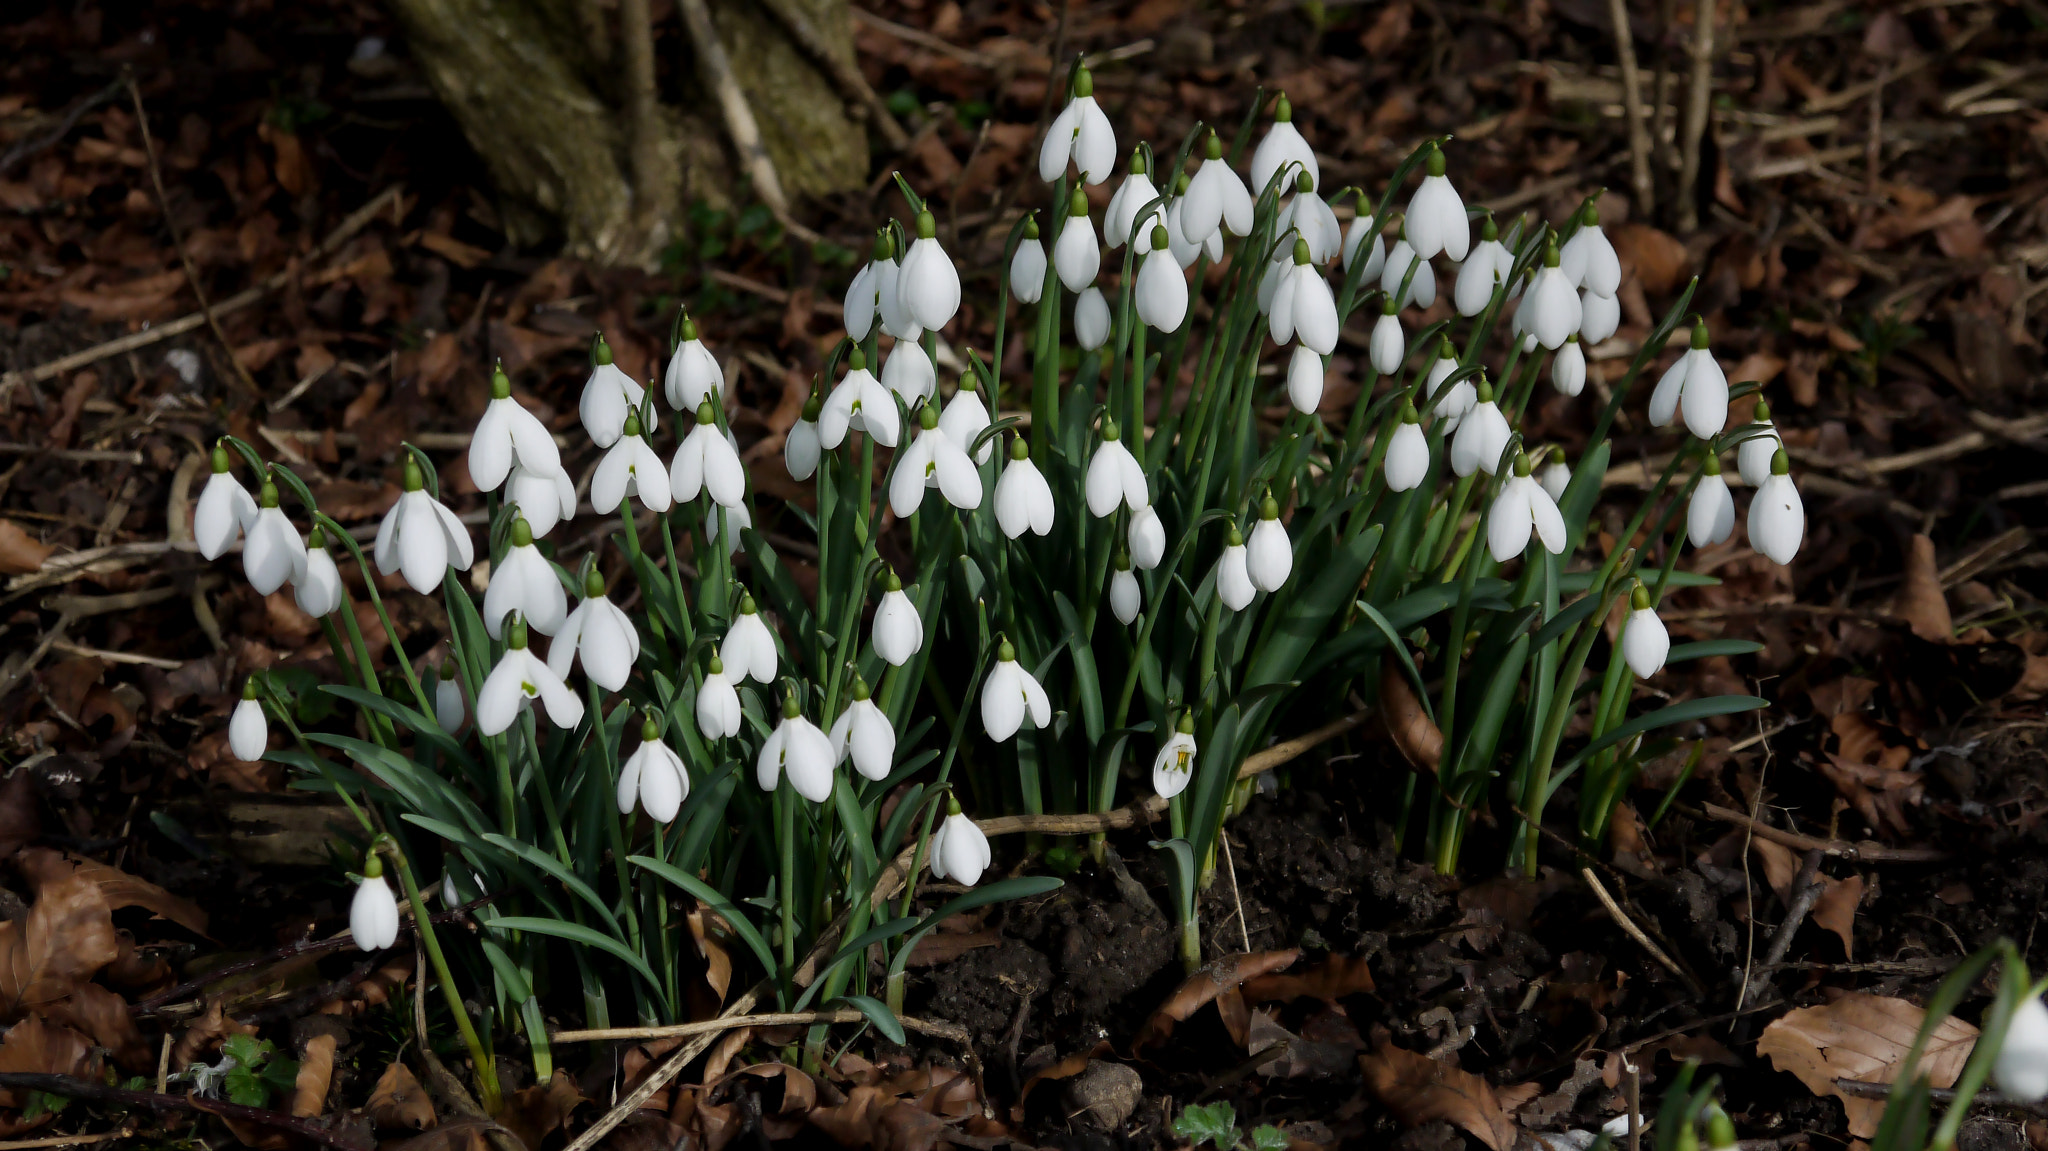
{"x":668,"y":1069}
{"x":65,"y":123}
{"x":1628,"y":925}
{"x":1696,"y":116}
{"x":844,"y":73}
{"x":739,"y":116}
{"x":78,"y":1140}
{"x":1863,"y":1089}
{"x":91,"y":1092}
{"x":1632,"y":100}
{"x":1806,"y":891}
{"x":1865,"y":852}
{"x":768,"y":1019}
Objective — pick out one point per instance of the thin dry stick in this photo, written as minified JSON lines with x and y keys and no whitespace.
{"x":1696,"y":116}
{"x":663,"y":1072}
{"x":66,"y":1140}
{"x":768,"y":1019}
{"x":1243,"y":929}
{"x":1838,"y":848}
{"x":1807,"y":888}
{"x":1632,"y":101}
{"x":739,"y":117}
{"x":653,"y":181}
{"x":1628,"y":925}
{"x":843,"y":72}
{"x":1756,"y":802}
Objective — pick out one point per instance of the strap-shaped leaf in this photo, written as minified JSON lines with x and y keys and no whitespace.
{"x":578,"y":933}
{"x":1709,"y":648}
{"x":878,"y":1013}
{"x":1692,"y":709}
{"x":555,"y":867}
{"x":710,"y":897}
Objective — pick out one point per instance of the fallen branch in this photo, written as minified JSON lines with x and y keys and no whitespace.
{"x":1636,"y":933}
{"x":1866,"y":1090}
{"x":79,"y":1140}
{"x":91,"y":1092}
{"x":768,"y":1019}
{"x":1864,"y":852}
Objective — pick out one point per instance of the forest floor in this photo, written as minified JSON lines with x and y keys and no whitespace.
{"x":1872,"y":246}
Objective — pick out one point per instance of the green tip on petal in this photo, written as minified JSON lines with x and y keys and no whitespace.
{"x":1269,"y":508}
{"x":1077,"y":204}
{"x":1300,"y":252}
{"x":1639,"y":599}
{"x":1084,"y":82}
{"x":894,"y":582}
{"x":1434,"y":162}
{"x":1781,"y":464}
{"x":249,"y":688}
{"x":316,"y":540}
{"x":1388,"y":305}
{"x":927,"y":227}
{"x":1283,"y":110}
{"x":689,"y":328}
{"x":812,"y":406}
{"x":650,"y":731}
{"x":1031,"y":226}
{"x":1186,"y":726}
{"x":632,"y":427}
{"x":884,"y":246}
{"x":593,"y":584}
{"x":1180,"y":184}
{"x":600,"y":352}
{"x":373,"y":865}
{"x":928,"y":416}
{"x":447,"y":671}
{"x":860,"y":688}
{"x":266,"y":497}
{"x":1699,"y":333}
{"x":1303,"y":182}
{"x":952,"y":804}
{"x":856,"y":360}
{"x":791,"y":705}
{"x":1489,"y":230}
{"x":1235,"y":539}
{"x":1110,"y":432}
{"x":1123,"y":560}
{"x":501,"y":384}
{"x":704,"y":413}
{"x":1573,"y":338}
{"x":1720,"y":1129}
{"x":1214,"y":148}
{"x":414,"y":481}
{"x":1762,"y":412}
{"x":1713,"y":465}
{"x":1005,"y":652}
{"x":1485,"y":389}
{"x":515,"y":637}
{"x":1137,"y":161}
{"x":1522,"y":464}
{"x":1160,"y":240}
{"x":1550,"y":257}
{"x":1590,"y":218}
{"x":747,"y":605}
{"x":1445,"y":350}
{"x":967,"y":381}
{"x":1019,"y":450}
{"x":1408,"y":413}
{"x":220,"y":460}
{"x":522,"y":533}
{"x":716,"y":666}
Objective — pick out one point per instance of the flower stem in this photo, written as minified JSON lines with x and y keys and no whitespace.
{"x":486,"y":1072}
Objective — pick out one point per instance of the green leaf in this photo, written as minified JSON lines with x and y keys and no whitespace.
{"x":577,"y":933}
{"x":1215,"y":1124}
{"x":1266,"y":1137}
{"x":710,"y":897}
{"x":1021,"y":887}
{"x":1709,"y":648}
{"x":1690,"y":710}
{"x":555,"y":867}
{"x":878,"y":1013}
{"x":1085,"y":679}
{"x":1307,"y":620}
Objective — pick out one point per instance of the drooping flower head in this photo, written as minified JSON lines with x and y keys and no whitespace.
{"x":1644,"y":641}
{"x":1174,"y":766}
{"x":707,"y":462}
{"x":1523,"y":505}
{"x":1234,"y":584}
{"x":1484,"y":271}
{"x":1080,"y":133}
{"x":1436,"y":214}
{"x":1407,"y":460}
{"x":273,"y":553}
{"x":898,"y":632}
{"x":694,"y":375}
{"x":518,"y":680}
{"x":1216,"y":198}
{"x":630,"y":467}
{"x":718,"y":703}
{"x":798,"y":749}
{"x":373,"y":913}
{"x":525,"y":583}
{"x":1710,"y":514}
{"x":1777,"y":518}
{"x":1009,"y":695}
{"x":1075,"y":254}
{"x":1028,"y":264}
{"x":601,"y":633}
{"x":859,"y":403}
{"x":863,"y":734}
{"x":1269,"y":554}
{"x":801,"y":447}
{"x":608,"y":395}
{"x":225,"y":509}
{"x":933,"y":460}
{"x":420,"y":536}
{"x":1125,"y":596}
{"x":509,"y":434}
{"x":1694,"y":387}
{"x":959,"y":849}
{"x":1283,"y":147}
{"x":928,"y":286}
{"x":654,"y":777}
{"x":1554,"y":310}
{"x":248,"y":729}
{"x":318,"y":586}
{"x":1114,"y":475}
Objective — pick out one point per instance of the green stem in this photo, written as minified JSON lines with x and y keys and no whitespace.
{"x":486,"y":1071}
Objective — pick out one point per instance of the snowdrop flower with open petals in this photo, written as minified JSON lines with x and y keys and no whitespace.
{"x":1314,"y":222}
{"x":928,"y":286}
{"x":1488,"y":267}
{"x":860,"y":403}
{"x":862,"y":732}
{"x":1027,"y":266}
{"x":630,"y":467}
{"x":1588,"y":259}
{"x":749,"y":647}
{"x":933,"y":460}
{"x":800,"y":447}
{"x":897,"y":320}
{"x":1269,"y":554}
{"x":959,"y":849}
{"x":508,"y":433}
{"x":863,"y":295}
{"x":1599,"y":316}
{"x":796,"y":747}
{"x":1521,"y":505}
{"x":1710,"y":515}
{"x":1362,"y":227}
{"x":1174,"y":766}
{"x":1120,"y":218}
{"x":1075,"y":254}
{"x":1146,"y":538}
{"x":1125,"y":596}
{"x":966,"y":417}
{"x":1753,"y":458}
{"x":909,"y":373}
{"x":421,"y":537}
{"x":1162,"y":291}
{"x":1436,"y":214}
{"x":608,"y":395}
{"x":519,"y":679}
{"x":740,"y":519}
{"x":1482,"y":435}
{"x":318,"y":586}
{"x":449,"y":709}
{"x":654,"y":776}
{"x":525,"y":583}
{"x":693,"y":375}
{"x":248,"y":730}
{"x":718,"y":703}
{"x":1114,"y":475}
{"x":1081,"y":133}
{"x":2022,"y":1064}
{"x":1568,"y":367}
{"x":1303,"y":308}
{"x":274,"y":553}
{"x":1023,"y":498}
{"x":1233,"y":579}
{"x":1554,"y":309}
{"x":225,"y":509}
{"x":544,"y":498}
{"x":1305,"y":380}
{"x":1010,"y":694}
{"x":1777,"y":518}
{"x":1644,"y":641}
{"x":1389,"y":345}
{"x":1216,"y":197}
{"x":1091,"y":319}
{"x":707,"y":462}
{"x":898,"y":633}
{"x":1407,"y":458}
{"x":1422,"y":289}
{"x":1694,"y":387}
{"x":1283,"y":147}
{"x":1556,"y":477}
{"x":600,"y":632}
{"x":373,"y":913}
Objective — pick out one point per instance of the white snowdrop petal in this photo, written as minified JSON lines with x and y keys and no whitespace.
{"x":1091,"y":319}
{"x":1710,"y":514}
{"x":1704,"y":399}
{"x":1388,"y":346}
{"x":1146,"y":539}
{"x":318,"y":590}
{"x":1600,"y":317}
{"x":2021,"y":1068}
{"x":1305,"y":380}
{"x":1233,"y":582}
{"x":1076,"y":255}
{"x":1002,"y":701}
{"x":1027,"y":272}
{"x":373,"y":915}
{"x":1664,"y":400}
{"x":1269,"y":556}
{"x":1407,"y":459}
{"x":1777,"y":519}
{"x":1568,"y":368}
{"x":909,"y":373}
{"x":1508,"y":523}
{"x":248,"y":731}
{"x":1645,"y":643}
{"x":1125,"y":596}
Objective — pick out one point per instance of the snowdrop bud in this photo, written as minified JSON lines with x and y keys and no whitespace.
{"x":274,"y":553}
{"x":860,"y":403}
{"x":1216,"y":198}
{"x":1568,"y":367}
{"x":1710,"y":515}
{"x":653,"y":776}
{"x":909,"y":373}
{"x":1023,"y":498}
{"x":448,"y":706}
{"x":1305,"y":380}
{"x":959,"y":849}
{"x":1720,"y":1130}
{"x":1009,"y":695}
{"x":248,"y":730}
{"x":1027,"y":266}
{"x":518,"y":680}
{"x":707,"y":462}
{"x":1133,"y":194}
{"x":1114,"y":475}
{"x":1075,"y":254}
{"x":864,"y":293}
{"x":1589,"y":260}
{"x":1269,"y":555}
{"x":2021,"y":1068}
{"x":1146,"y":538}
{"x":525,"y":583}
{"x":1162,"y":290}
{"x":966,"y":417}
{"x":800,"y":448}
{"x":1777,"y":520}
{"x":373,"y":913}
{"x":1484,"y":270}
{"x":601,"y":633}
{"x":318,"y":588}
{"x":898,"y":632}
{"x":1080,"y":133}
{"x":749,"y":647}
{"x":509,"y":434}
{"x":1644,"y":642}
{"x":1436,"y":214}
{"x":798,"y":748}
{"x":718,"y":703}
{"x":1362,"y":228}
{"x":1753,"y":458}
{"x":1483,"y":435}
{"x":1174,"y":766}
{"x":1125,"y":597}
{"x":896,"y":320}
{"x":1233,"y":579}
{"x":420,"y":537}
{"x":1522,"y":505}
{"x":694,"y":376}
{"x":1407,"y":460}
{"x":1388,"y":346}
{"x":1440,"y":369}
{"x":863,"y":734}
{"x":1422,"y":288}
{"x":1600,"y":316}
{"x":630,"y":468}
{"x":225,"y":509}
{"x":1091,"y":319}
{"x":928,"y":286}
{"x":1556,"y":478}
{"x":1282,"y":147}
{"x":1554,"y":310}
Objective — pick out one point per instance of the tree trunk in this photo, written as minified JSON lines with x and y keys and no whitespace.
{"x":545,"y":93}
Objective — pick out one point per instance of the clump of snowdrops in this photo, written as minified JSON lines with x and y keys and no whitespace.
{"x":1028,"y":589}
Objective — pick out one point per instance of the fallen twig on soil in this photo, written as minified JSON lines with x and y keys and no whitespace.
{"x":1866,"y":1090}
{"x":1864,"y":852}
{"x":1632,"y":101}
{"x":1628,"y":925}
{"x":91,"y":1092}
{"x":768,"y":1019}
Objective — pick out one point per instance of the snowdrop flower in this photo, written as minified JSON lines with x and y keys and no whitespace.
{"x":1146,"y":538}
{"x":1388,"y":346}
{"x":1081,"y":133}
{"x":1305,"y":380}
{"x":2022,"y":1064}
{"x":600,"y":632}
{"x":1269,"y":555}
{"x":1075,"y":254}
{"x":1720,"y":1130}
{"x":248,"y":730}
{"x":1554,"y":309}
{"x":800,"y":446}
{"x":958,"y":850}
{"x":1488,"y":267}
{"x":1217,"y":197}
{"x":318,"y":586}
{"x":1462,"y":397}
{"x":933,"y":460}
{"x":966,"y":417}
{"x":630,"y":467}
{"x":1282,"y":147}
{"x":1777,"y":520}
{"x":520,"y":678}
{"x":1521,"y":505}
{"x":1644,"y":642}
{"x":718,"y":703}
{"x":1482,"y":435}
{"x":1303,"y":307}
{"x":797,"y":747}
{"x":1600,"y":316}
{"x":421,"y":537}
{"x":525,"y":583}
{"x":898,"y":633}
{"x":1753,"y":458}
{"x":928,"y":286}
{"x":862,"y":732}
{"x":225,"y":509}
{"x":1119,"y":220}
{"x":509,"y":433}
{"x":897,"y":320}
{"x":707,"y":462}
{"x":909,"y":373}
{"x":373,"y":913}
{"x":1233,"y":578}
{"x":1174,"y":766}
{"x":1568,"y":367}
{"x":1091,"y":319}
{"x":1364,"y":226}
{"x":740,"y":518}
{"x":1556,"y":478}
{"x":1407,"y":453}
{"x":1710,"y":515}
{"x":1588,"y":258}
{"x":860,"y":403}
{"x":1162,"y":290}
{"x":654,"y":776}
{"x":1125,"y":596}
{"x":274,"y":553}
{"x":864,"y":294}
{"x":1023,"y":498}
{"x":1185,"y":249}
{"x":1422,"y":288}
{"x":544,"y":498}
{"x":1114,"y":475}
{"x":1436,"y":214}
{"x":448,"y":706}
{"x":1694,"y":387}
{"x":693,"y":375}
{"x":1313,"y":222}
{"x":1027,"y":265}
{"x":1009,"y":694}
{"x":608,"y":395}
{"x":749,"y":647}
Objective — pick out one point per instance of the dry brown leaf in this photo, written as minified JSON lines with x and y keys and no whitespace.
{"x":104,"y":1016}
{"x":1657,"y":258}
{"x":1834,"y":911}
{"x":66,"y":937}
{"x":1863,"y":1037}
{"x":533,"y":1113}
{"x":1921,"y":602}
{"x":452,"y":249}
{"x":316,"y":1071}
{"x":45,"y":1048}
{"x":399,"y":1103}
{"x":205,"y":1033}
{"x":1329,"y":981}
{"x":1414,"y":734}
{"x":21,"y":819}
{"x":20,"y":552}
{"x":42,"y":866}
{"x":1418,"y":1090}
{"x":1218,"y":976}
{"x":1066,"y":1068}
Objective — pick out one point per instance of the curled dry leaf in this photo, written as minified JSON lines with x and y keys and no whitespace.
{"x":1329,"y":981}
{"x":1863,"y":1037}
{"x":533,"y":1113}
{"x":20,"y":552}
{"x":37,"y":1045}
{"x":1921,"y":602}
{"x":41,"y":865}
{"x":1835,"y":910}
{"x":399,"y":1103}
{"x":65,"y":938}
{"x":204,"y":1034}
{"x":316,"y":1071}
{"x":104,"y":1016}
{"x":1066,"y":1068}
{"x":1216,"y":978}
{"x":1418,"y":1090}
{"x":1414,"y":734}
